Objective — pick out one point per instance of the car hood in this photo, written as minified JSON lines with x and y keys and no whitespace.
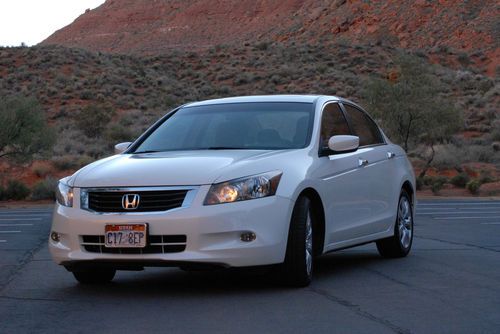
{"x":177,"y":168}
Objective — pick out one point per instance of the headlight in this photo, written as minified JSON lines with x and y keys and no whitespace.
{"x":64,"y":194}
{"x":243,"y":189}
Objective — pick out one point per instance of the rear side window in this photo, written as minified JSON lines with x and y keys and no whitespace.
{"x":363,"y":127}
{"x":333,"y":123}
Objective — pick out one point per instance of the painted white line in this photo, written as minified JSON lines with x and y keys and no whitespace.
{"x":10,"y":231}
{"x":10,"y":213}
{"x":3,"y":241}
{"x":490,"y":223}
{"x":24,"y":214}
{"x":457,"y":212}
{"x":23,"y":219}
{"x":2,"y":225}
{"x":458,"y":209}
{"x":458,"y":204}
{"x":453,"y":218}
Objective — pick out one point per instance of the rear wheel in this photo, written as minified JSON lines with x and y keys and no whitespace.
{"x":298,"y":266}
{"x":399,"y":244}
{"x":94,"y":276}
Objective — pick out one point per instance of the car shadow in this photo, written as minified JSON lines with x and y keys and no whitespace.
{"x":175,"y":282}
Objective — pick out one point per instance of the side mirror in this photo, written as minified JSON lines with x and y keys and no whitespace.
{"x":343,"y":144}
{"x":122,"y":147}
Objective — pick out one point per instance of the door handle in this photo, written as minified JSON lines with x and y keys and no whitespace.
{"x":362,"y":162}
{"x":390,"y":155}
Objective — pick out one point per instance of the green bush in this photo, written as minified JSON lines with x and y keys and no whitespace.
{"x":473,"y":186}
{"x":16,"y":190}
{"x":71,"y":162}
{"x":65,"y":162}
{"x":93,"y":119}
{"x":44,"y":189}
{"x":41,"y":170}
{"x":485,"y":177}
{"x":438,"y":183}
{"x":460,"y":180}
{"x":420,"y":183}
{"x":117,"y":133}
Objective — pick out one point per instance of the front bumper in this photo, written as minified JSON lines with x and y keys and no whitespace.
{"x":213,"y":233}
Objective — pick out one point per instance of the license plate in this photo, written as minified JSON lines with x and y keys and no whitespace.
{"x":125,"y":236}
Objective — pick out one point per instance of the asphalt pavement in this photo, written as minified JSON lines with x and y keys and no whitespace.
{"x":450,"y":283}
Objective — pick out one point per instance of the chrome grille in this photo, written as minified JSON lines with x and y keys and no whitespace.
{"x":157,"y":244}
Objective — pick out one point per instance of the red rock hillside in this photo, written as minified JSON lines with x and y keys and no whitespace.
{"x":150,"y":26}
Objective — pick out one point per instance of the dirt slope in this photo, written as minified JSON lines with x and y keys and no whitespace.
{"x":152,"y":26}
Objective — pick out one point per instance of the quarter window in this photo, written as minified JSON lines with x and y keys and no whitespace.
{"x":363,"y":127}
{"x":333,"y":123}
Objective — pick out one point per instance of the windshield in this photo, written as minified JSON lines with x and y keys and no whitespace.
{"x":259,"y":126}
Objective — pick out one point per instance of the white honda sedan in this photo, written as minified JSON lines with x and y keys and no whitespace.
{"x":236,"y":182}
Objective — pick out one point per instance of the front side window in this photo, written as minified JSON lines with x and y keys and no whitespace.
{"x":363,"y":127}
{"x":333,"y":123}
{"x":258,"y":125}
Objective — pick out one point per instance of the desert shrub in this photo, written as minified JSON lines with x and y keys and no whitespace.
{"x":427,"y":180}
{"x":262,"y":46}
{"x":438,"y":183}
{"x":40,"y":169}
{"x":44,"y":189}
{"x":447,"y":157}
{"x":460,"y":180}
{"x":117,"y":133}
{"x":65,"y":162}
{"x":86,"y":95}
{"x":420,"y":182}
{"x":473,"y":186}
{"x":485,"y":177}
{"x":93,"y":119}
{"x":16,"y":190}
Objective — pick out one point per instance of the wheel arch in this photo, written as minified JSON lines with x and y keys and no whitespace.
{"x":318,"y":212}
{"x":408,"y":187}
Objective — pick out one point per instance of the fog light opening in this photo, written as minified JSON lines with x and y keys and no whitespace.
{"x":248,"y":237}
{"x":56,"y":237}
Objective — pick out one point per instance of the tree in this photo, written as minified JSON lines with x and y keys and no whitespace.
{"x":411,"y":110}
{"x":23,"y":129}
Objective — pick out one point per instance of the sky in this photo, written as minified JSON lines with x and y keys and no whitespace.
{"x":32,"y":21}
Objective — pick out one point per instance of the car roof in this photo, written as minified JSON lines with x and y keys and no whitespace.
{"x":264,"y":98}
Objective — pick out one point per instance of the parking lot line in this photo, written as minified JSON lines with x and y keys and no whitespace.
{"x":24,"y":214}
{"x":10,"y":231}
{"x":24,"y":219}
{"x":453,"y":218}
{"x":458,"y":204}
{"x":457,"y":212}
{"x":3,"y":241}
{"x":456,"y":209}
{"x":3,"y":225}
{"x":490,"y":223}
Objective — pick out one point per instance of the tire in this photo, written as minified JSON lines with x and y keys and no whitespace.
{"x":399,"y":244}
{"x":94,"y":276}
{"x":298,"y":266}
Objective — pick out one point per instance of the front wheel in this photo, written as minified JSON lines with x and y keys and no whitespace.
{"x":94,"y":276}
{"x":298,"y":266}
{"x":399,"y":244}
